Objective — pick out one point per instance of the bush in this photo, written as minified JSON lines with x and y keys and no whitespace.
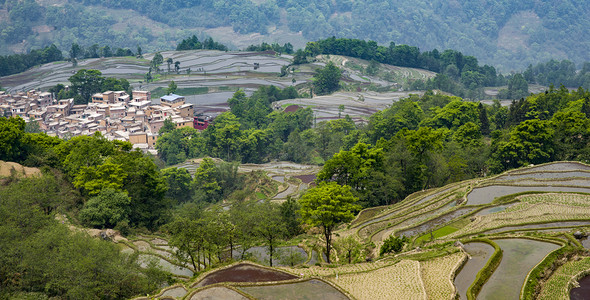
{"x":393,"y":244}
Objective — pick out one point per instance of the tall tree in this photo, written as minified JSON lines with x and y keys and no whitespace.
{"x":270,"y":227}
{"x":205,"y":184}
{"x":169,"y":62}
{"x":328,"y":205}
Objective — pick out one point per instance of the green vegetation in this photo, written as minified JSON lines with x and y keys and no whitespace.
{"x":551,"y":262}
{"x":86,"y":83}
{"x":393,"y":244}
{"x":12,"y":64}
{"x":327,"y":79}
{"x":286,"y":48}
{"x":193,"y":43}
{"x":42,"y":258}
{"x":328,"y":205}
{"x":510,"y":35}
{"x":443,"y":231}
{"x":250,"y":132}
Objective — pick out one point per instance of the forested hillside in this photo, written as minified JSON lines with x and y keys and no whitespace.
{"x":510,"y":35}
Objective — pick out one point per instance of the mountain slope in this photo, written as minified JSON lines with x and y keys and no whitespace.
{"x":508,"y":34}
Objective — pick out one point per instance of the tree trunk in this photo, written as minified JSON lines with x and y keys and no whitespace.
{"x":231,"y":250}
{"x":328,"y":234}
{"x":193,"y":261}
{"x":198,"y":260}
{"x":270,"y":253}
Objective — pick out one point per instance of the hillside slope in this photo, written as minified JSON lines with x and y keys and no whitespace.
{"x":508,"y":34}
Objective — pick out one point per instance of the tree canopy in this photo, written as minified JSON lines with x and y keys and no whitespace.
{"x":326,"y":206}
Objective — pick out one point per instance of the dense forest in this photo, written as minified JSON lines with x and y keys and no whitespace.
{"x":419,"y":142}
{"x":508,"y":35}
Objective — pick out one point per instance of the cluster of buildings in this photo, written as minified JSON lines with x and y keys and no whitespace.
{"x":115,"y":114}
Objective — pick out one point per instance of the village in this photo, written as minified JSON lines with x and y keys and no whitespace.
{"x":115,"y":114}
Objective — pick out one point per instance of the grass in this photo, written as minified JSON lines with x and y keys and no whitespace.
{"x":446,"y":230}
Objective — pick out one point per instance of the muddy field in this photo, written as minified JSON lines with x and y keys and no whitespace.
{"x":244,"y":273}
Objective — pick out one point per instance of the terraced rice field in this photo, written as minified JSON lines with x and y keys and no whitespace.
{"x":435,"y":220}
{"x":310,"y":289}
{"x":539,"y":209}
{"x":217,"y":292}
{"x":487,"y":194}
{"x":244,"y":273}
{"x":479,"y":254}
{"x":145,"y":259}
{"x":399,"y":281}
{"x":519,"y":257}
{"x":556,"y":288}
{"x":437,"y":275}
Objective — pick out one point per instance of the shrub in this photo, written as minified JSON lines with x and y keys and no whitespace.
{"x":393,"y":244}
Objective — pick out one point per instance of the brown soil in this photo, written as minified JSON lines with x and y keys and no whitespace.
{"x":6,"y":169}
{"x":244,"y":273}
{"x":307,"y":179}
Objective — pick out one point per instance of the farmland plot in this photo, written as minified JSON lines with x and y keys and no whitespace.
{"x":399,"y":281}
{"x":437,"y":273}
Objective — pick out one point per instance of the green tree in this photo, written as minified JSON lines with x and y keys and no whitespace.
{"x":205,"y":184}
{"x":106,"y":209}
{"x":328,"y":205}
{"x":86,"y":83}
{"x":157,"y":60}
{"x":393,"y":244}
{"x":327,"y":79}
{"x":171,"y":88}
{"x":75,"y":51}
{"x":269,"y":227}
{"x":12,"y":132}
{"x":483,"y":119}
{"x":350,"y":246}
{"x":167,"y":127}
{"x":177,"y":67}
{"x":179,"y":184}
{"x":225,"y":134}
{"x":188,"y":237}
{"x":169,"y":62}
{"x":146,"y":187}
{"x":139,"y":52}
{"x":290,"y":214}
{"x":93,"y":179}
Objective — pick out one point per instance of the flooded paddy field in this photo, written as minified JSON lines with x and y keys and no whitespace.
{"x":544,"y":175}
{"x":519,"y":257}
{"x":435,"y":222}
{"x":487,"y":194}
{"x":311,"y":289}
{"x":479,"y":254}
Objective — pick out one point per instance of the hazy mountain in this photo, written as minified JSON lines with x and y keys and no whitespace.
{"x":508,"y":34}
